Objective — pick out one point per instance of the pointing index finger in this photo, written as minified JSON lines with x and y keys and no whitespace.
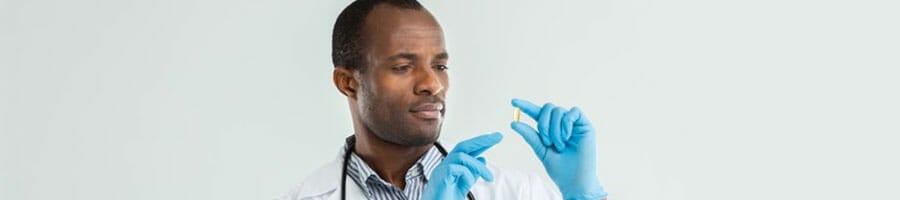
{"x":478,"y":145}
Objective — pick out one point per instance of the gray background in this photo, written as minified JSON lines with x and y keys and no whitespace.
{"x":693,"y":99}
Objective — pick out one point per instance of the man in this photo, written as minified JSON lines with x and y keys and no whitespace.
{"x":390,"y":62}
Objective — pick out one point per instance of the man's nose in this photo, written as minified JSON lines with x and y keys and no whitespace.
{"x":428,"y":82}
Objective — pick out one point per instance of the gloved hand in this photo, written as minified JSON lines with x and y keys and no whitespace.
{"x":565,"y":143}
{"x":456,"y":174}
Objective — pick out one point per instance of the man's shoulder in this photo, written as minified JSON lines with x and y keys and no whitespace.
{"x":322,"y":182}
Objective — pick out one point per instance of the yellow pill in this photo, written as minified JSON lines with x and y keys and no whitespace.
{"x":516,"y":114}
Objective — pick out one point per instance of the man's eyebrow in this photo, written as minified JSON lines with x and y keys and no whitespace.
{"x":407,"y":56}
{"x":442,"y":56}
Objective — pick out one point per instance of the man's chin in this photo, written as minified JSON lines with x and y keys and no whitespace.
{"x":410,"y":138}
{"x":421,"y":139}
{"x":424,"y":132}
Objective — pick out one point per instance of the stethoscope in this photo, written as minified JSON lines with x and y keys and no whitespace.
{"x":351,"y":142}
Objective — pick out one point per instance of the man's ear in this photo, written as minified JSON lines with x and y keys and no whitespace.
{"x":345,"y":82}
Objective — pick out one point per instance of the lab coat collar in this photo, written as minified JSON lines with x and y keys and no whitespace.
{"x":327,"y":180}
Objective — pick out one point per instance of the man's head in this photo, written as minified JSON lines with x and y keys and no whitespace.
{"x":390,"y":62}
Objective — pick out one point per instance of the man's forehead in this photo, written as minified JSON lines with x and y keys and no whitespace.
{"x":415,"y":35}
{"x":416,"y":32}
{"x":392,"y":30}
{"x":413,"y":41}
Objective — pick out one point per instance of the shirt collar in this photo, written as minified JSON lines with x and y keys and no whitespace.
{"x":361,"y":173}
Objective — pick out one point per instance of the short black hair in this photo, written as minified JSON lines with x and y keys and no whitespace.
{"x":346,"y":40}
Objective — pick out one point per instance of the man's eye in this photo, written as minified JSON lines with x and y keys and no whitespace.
{"x":402,"y":68}
{"x":441,"y":67}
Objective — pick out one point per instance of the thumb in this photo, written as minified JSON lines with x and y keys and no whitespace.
{"x":531,"y":137}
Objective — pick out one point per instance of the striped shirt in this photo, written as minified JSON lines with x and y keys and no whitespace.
{"x":376,"y":188}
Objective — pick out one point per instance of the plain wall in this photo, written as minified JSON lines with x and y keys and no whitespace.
{"x":693,"y":99}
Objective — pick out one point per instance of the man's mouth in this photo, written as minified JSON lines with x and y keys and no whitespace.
{"x":428,"y":110}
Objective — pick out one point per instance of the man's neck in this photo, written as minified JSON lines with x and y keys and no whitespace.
{"x":390,"y":161}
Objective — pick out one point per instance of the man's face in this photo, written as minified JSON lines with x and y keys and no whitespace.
{"x":402,"y":90}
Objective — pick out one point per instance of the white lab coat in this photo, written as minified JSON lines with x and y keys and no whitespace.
{"x":325,"y":184}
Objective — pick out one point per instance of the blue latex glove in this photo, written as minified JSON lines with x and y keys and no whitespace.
{"x":565,"y":143}
{"x":456,"y":174}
